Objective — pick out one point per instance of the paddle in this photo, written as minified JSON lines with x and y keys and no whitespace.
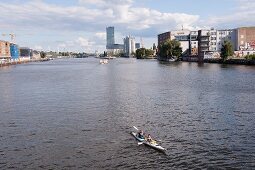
{"x":135,"y":128}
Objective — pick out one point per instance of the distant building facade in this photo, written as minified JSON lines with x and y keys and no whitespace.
{"x":164,"y":37}
{"x":35,"y":55}
{"x":193,"y":43}
{"x":207,"y":43}
{"x":245,"y":37}
{"x":14,"y":49}
{"x":111,"y":47}
{"x":26,"y":53}
{"x":211,"y":41}
{"x":5,"y":50}
{"x":137,"y":45}
{"x":188,"y":40}
{"x":129,"y":46}
{"x":110,"y":40}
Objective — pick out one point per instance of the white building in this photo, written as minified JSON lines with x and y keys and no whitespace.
{"x":211,"y":41}
{"x":129,"y":46}
{"x":183,"y":37}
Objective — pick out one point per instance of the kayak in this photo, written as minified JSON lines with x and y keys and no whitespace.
{"x":152,"y":144}
{"x":137,"y":138}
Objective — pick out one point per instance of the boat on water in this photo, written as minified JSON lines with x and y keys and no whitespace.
{"x":103,"y":61}
{"x":153,"y":144}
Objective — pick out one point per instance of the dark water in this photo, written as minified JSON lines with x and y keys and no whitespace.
{"x":78,"y":114}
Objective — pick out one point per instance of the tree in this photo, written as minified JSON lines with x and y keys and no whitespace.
{"x":143,"y":53}
{"x":170,"y":48}
{"x":226,"y":50}
{"x":149,"y":53}
{"x":140,"y":53}
{"x":43,"y":54}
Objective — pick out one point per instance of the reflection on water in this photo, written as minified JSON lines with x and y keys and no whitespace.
{"x":76,"y":113}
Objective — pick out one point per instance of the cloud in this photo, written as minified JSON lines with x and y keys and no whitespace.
{"x":84,"y":42}
{"x":88,"y":18}
{"x":38,"y":14}
{"x":100,"y":35}
{"x":242,"y":15}
{"x":80,"y":43}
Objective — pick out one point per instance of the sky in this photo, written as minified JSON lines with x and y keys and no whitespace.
{"x":80,"y":25}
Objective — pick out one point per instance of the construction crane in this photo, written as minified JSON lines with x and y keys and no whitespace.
{"x":12,"y":35}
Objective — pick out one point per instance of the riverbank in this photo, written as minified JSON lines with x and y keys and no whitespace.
{"x":9,"y":63}
{"x":231,"y":61}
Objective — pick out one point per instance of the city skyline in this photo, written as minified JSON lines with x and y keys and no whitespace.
{"x":79,"y":25}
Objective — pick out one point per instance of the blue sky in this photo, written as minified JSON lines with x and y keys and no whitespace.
{"x":79,"y":25}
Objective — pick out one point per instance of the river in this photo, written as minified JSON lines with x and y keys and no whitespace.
{"x":78,"y":114}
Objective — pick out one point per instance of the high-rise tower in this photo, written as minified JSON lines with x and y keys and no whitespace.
{"x":110,"y":38}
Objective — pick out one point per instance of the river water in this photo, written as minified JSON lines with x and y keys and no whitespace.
{"x":78,"y":114}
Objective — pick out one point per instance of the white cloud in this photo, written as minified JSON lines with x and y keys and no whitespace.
{"x":242,"y":15}
{"x":90,"y":17}
{"x":84,"y":42}
{"x":100,"y":35}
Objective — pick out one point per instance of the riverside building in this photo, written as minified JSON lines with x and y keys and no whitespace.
{"x":5,"y":53}
{"x":187,"y":39}
{"x":14,"y":50}
{"x":129,"y":46}
{"x":110,"y":40}
{"x":25,"y":53}
{"x":111,"y":47}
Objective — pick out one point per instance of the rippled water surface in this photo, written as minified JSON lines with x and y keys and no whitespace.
{"x":78,"y":114}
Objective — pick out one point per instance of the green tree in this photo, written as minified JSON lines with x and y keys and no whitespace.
{"x":140,"y":53}
{"x":149,"y":53}
{"x":43,"y":54}
{"x":170,"y":48}
{"x":143,"y":53}
{"x":226,"y":50}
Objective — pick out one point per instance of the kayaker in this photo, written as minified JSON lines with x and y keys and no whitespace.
{"x":149,"y":139}
{"x":140,"y":134}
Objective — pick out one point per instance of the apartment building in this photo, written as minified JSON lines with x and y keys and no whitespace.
{"x":210,"y":41}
